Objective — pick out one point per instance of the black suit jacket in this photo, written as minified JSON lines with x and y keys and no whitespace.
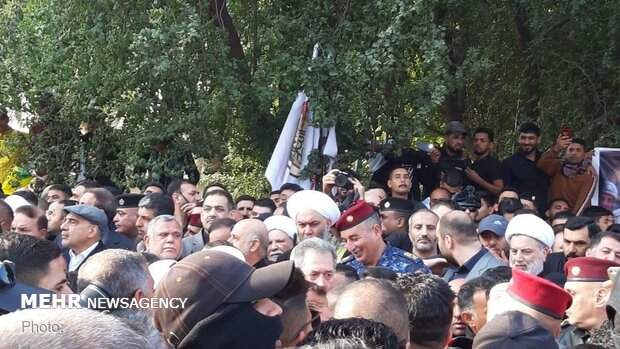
{"x":112,"y":239}
{"x":72,"y":275}
{"x":554,"y":263}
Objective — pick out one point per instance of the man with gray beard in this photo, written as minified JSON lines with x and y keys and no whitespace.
{"x":130,"y":279}
{"x":530,"y":240}
{"x":314,"y":213}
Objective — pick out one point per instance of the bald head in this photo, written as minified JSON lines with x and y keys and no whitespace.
{"x":459,"y":225}
{"x":388,"y":305}
{"x":251,"y":237}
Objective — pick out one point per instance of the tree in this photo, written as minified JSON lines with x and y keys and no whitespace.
{"x":216,"y":78}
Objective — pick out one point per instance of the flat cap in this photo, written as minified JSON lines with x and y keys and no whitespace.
{"x":90,"y":213}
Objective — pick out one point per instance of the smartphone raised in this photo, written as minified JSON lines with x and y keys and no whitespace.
{"x":425,"y":147}
{"x":566,"y":131}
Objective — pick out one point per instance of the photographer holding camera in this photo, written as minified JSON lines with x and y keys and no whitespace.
{"x":343,"y":186}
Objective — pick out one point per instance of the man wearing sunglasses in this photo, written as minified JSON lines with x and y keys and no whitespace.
{"x":468,"y":201}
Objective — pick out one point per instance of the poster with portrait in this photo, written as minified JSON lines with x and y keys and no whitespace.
{"x":606,"y":161}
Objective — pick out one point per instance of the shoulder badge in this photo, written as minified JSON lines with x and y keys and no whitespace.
{"x":410,"y":255}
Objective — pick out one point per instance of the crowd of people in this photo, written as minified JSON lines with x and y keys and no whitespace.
{"x":441,"y":250}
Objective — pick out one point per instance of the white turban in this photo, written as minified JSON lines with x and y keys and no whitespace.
{"x":532,"y":226}
{"x":284,"y":223}
{"x":15,"y":201}
{"x":313,"y":200}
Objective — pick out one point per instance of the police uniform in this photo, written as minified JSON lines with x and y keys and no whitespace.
{"x":582,"y":269}
{"x":129,"y":200}
{"x":392,"y":257}
{"x":404,"y":208}
{"x":571,"y":335}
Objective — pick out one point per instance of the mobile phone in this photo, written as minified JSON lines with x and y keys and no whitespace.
{"x":566,"y":131}
{"x":426,"y":147}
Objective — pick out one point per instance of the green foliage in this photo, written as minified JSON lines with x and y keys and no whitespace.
{"x":143,"y":73}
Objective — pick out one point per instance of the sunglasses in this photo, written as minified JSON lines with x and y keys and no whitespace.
{"x":471,"y":209}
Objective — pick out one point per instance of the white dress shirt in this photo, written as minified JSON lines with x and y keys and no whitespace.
{"x":75,"y":261}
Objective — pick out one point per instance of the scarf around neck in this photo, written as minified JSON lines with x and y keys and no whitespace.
{"x":572,"y":170}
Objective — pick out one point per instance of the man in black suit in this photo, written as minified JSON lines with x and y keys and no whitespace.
{"x":81,"y":235}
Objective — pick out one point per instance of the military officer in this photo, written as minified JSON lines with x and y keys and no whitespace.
{"x":584,"y":281}
{"x":360,"y":231}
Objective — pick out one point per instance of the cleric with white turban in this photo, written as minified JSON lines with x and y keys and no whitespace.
{"x":313,"y":212}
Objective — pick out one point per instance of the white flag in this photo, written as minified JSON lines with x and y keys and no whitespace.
{"x":296,"y":142}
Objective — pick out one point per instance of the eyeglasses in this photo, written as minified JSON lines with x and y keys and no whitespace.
{"x":315,"y":321}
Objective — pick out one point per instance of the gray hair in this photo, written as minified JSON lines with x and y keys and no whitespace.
{"x":121,"y":272}
{"x":372,"y":221}
{"x":150,"y":229}
{"x":69,"y":328}
{"x":315,"y":244}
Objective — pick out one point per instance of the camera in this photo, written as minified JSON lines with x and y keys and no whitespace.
{"x":342,"y":180}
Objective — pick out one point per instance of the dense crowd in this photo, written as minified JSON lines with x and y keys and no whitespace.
{"x":441,"y":250}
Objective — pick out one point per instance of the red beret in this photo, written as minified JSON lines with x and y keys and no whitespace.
{"x":588,"y":269}
{"x":354,"y":215}
{"x":539,"y":294}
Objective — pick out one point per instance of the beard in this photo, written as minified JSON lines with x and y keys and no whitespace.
{"x":571,"y":255}
{"x":458,"y":152}
{"x":525,"y":151}
{"x":425,"y":245}
{"x":533,"y":267}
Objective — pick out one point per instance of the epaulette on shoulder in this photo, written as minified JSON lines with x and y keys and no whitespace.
{"x":409,"y":255}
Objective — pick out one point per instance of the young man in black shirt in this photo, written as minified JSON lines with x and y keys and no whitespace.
{"x":520,"y":171}
{"x":485,"y":172}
